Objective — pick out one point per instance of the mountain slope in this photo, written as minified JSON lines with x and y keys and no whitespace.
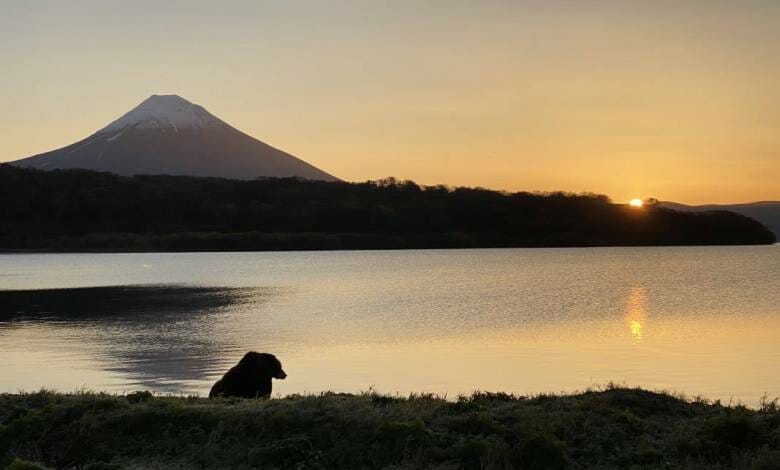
{"x":167,"y":134}
{"x":766,"y":212}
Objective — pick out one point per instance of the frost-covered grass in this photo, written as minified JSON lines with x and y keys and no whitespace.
{"x":611,"y":428}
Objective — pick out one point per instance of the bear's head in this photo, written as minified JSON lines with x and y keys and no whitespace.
{"x":263,"y":364}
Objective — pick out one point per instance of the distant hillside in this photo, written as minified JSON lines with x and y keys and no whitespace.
{"x":766,"y":212}
{"x":75,"y":210}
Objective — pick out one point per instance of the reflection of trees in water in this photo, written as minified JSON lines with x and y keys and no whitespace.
{"x":159,"y":337}
{"x":112,"y":302}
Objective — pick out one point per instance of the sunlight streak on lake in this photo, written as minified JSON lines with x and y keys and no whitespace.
{"x":636,"y":315}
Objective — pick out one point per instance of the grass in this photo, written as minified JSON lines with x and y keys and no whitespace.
{"x":611,"y":428}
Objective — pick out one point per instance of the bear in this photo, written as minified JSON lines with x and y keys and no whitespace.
{"x":250,"y":378}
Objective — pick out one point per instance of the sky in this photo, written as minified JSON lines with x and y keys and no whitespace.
{"x":673,"y":99}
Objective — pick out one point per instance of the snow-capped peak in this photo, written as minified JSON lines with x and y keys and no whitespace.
{"x":170,"y":112}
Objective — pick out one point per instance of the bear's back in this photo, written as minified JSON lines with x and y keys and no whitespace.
{"x":242,"y":382}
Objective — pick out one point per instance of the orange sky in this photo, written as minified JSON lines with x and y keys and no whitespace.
{"x":679,"y":100}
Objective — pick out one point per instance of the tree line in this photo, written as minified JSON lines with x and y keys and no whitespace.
{"x":86,"y":210}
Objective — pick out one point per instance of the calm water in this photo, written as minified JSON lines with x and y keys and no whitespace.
{"x":695,"y":320}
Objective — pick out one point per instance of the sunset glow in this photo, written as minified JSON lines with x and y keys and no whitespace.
{"x":606,"y":97}
{"x":636,"y":202}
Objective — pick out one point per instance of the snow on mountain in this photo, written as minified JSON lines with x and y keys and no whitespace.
{"x":165,"y":111}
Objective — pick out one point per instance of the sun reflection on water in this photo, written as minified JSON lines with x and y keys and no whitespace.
{"x":636,"y":313}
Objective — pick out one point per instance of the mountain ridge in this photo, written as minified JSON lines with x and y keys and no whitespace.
{"x":766,"y":212}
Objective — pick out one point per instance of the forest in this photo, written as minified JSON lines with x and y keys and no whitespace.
{"x":79,"y":210}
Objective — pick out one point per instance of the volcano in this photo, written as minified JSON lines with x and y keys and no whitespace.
{"x":167,"y":134}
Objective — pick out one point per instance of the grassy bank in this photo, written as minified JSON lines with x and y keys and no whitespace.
{"x":613,"y":428}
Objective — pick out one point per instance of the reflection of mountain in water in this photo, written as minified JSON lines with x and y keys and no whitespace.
{"x":159,"y":337}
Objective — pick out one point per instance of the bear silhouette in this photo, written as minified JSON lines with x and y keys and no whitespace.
{"x":250,"y":378}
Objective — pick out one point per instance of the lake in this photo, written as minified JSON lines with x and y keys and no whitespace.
{"x":696,"y":320}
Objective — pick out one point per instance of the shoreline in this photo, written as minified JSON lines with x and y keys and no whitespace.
{"x":240,"y":250}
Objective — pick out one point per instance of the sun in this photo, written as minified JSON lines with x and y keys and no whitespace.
{"x":636,"y":202}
